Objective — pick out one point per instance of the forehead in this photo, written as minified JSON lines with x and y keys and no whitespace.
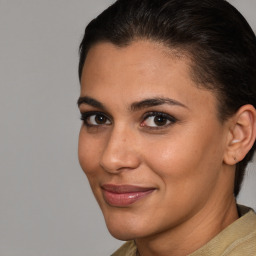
{"x":141,"y":59}
{"x":142,"y":69}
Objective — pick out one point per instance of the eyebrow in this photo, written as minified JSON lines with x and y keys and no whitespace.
{"x":89,"y":101}
{"x":155,"y":102}
{"x":146,"y":103}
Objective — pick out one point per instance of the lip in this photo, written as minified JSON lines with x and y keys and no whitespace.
{"x":124,"y":195}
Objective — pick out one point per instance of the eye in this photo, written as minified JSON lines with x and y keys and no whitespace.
{"x":157,"y":119}
{"x":95,"y":119}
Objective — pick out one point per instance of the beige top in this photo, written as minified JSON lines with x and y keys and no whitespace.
{"x":238,"y":239}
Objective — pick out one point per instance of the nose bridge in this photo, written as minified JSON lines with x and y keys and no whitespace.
{"x":120,"y":150}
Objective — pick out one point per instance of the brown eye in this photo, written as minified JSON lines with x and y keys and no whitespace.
{"x":160,"y":120}
{"x":100,"y":119}
{"x":155,"y":120}
{"x":94,"y":119}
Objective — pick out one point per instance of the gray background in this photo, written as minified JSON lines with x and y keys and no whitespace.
{"x":47,"y":207}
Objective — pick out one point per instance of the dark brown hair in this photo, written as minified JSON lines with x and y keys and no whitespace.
{"x":215,"y":36}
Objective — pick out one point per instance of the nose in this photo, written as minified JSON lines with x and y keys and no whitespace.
{"x":120,"y":152}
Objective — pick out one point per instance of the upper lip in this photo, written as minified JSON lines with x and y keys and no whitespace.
{"x":121,"y":189}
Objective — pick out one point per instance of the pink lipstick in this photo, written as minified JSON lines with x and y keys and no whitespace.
{"x":124,"y":195}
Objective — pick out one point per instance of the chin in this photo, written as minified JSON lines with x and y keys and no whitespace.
{"x":126,"y":234}
{"x":125,"y":228}
{"x":122,"y":235}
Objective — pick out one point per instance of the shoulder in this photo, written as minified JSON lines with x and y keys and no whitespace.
{"x":237,"y":239}
{"x":246,"y":242}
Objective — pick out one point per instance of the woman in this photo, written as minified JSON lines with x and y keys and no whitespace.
{"x":167,"y":100}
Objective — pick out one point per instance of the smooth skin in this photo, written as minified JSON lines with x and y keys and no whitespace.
{"x":178,"y":146}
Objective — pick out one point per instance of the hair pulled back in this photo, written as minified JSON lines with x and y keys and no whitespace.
{"x":215,"y":36}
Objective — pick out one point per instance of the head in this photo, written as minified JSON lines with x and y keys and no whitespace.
{"x":215,"y":37}
{"x":167,"y":95}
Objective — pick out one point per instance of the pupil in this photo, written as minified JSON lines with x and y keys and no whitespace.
{"x":100,"y":119}
{"x":160,"y":120}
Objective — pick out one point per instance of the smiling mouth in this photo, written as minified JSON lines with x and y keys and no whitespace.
{"x":124,"y":195}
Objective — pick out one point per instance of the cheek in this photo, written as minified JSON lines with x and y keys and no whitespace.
{"x":185,"y":160}
{"x":88,"y":153}
{"x":88,"y":158}
{"x":168,"y":156}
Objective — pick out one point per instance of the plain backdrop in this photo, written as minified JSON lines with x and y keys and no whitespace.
{"x":46,"y":206}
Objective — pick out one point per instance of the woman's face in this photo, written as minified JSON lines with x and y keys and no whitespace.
{"x":151,"y":144}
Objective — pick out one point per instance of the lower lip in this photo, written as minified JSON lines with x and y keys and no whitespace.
{"x":124,"y":199}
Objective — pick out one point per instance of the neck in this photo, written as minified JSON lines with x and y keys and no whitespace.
{"x":202,"y":227}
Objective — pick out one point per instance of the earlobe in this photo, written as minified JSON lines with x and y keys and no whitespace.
{"x":242,"y":134}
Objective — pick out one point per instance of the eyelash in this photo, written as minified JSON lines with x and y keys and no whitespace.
{"x":166,"y":117}
{"x":85,"y":116}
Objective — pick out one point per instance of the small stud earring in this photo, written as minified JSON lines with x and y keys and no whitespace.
{"x":235,"y":141}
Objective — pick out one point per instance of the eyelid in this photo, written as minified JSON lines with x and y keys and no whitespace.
{"x":87,"y":114}
{"x":169,"y":117}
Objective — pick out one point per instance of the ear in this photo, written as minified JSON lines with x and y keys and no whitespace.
{"x":242,"y":134}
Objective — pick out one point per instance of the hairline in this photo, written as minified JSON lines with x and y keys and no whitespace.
{"x":177,"y":52}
